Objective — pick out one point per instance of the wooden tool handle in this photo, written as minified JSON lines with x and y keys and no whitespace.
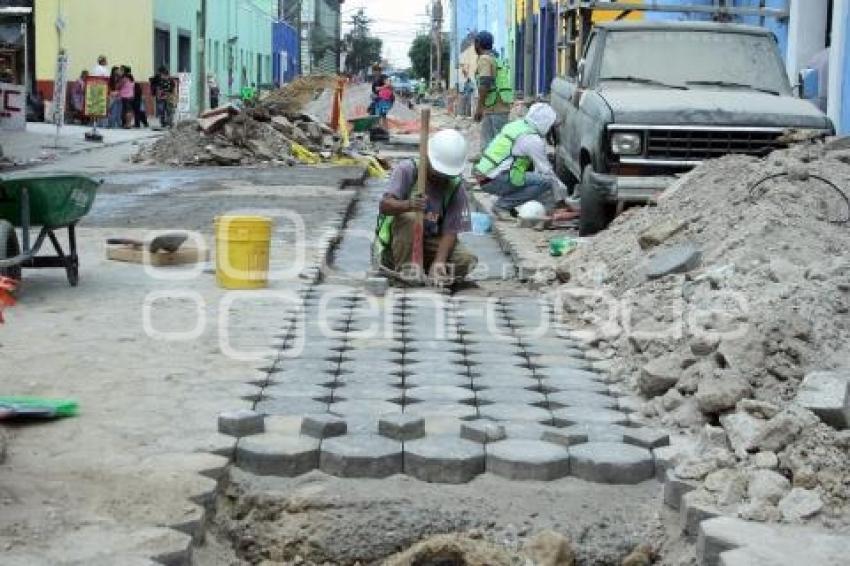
{"x":418,"y":252}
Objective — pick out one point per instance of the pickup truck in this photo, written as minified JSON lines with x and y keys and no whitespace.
{"x":652,"y":100}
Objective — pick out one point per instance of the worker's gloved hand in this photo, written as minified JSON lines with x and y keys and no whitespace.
{"x":417,"y":204}
{"x":441,"y":274}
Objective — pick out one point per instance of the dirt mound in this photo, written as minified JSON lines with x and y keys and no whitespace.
{"x":454,"y":550}
{"x":730,"y":291}
{"x":293,"y":97}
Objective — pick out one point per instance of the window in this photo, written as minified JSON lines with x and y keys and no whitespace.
{"x":184,"y":53}
{"x":162,"y":48}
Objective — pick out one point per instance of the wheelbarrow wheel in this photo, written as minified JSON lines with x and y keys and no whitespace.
{"x":9,"y":248}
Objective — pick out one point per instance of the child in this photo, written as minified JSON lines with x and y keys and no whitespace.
{"x":385,"y":101}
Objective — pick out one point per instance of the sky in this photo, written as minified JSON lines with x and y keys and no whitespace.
{"x":395,"y":21}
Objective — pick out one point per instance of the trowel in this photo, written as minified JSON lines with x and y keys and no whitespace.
{"x":169,"y":242}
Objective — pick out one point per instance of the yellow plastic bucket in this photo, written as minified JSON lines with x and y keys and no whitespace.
{"x":242,"y":251}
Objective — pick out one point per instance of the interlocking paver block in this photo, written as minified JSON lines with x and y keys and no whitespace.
{"x":610,"y":462}
{"x":402,"y":427}
{"x":565,"y":436}
{"x":425,"y":380}
{"x":316,"y":392}
{"x":370,"y":408}
{"x":525,"y":380}
{"x":555,"y":385}
{"x":443,"y":459}
{"x":361,"y":456}
{"x":515,"y":412}
{"x":646,"y":437}
{"x":675,"y":489}
{"x":365,"y":392}
{"x":439,"y":393}
{"x":827,"y":394}
{"x":511,"y":395}
{"x":323,"y":425}
{"x":582,"y":399}
{"x":577,"y":415}
{"x":427,"y":410}
{"x":240,"y":423}
{"x":528,"y":460}
{"x":483,"y":431}
{"x":277,"y":455}
{"x":290,"y":406}
{"x":597,"y":432}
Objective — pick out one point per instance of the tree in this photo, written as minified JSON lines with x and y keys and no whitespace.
{"x":420,"y":57}
{"x":363,"y":49}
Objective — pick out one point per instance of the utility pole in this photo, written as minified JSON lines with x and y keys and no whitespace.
{"x":202,"y":57}
{"x":528,"y":51}
{"x":438,"y":38}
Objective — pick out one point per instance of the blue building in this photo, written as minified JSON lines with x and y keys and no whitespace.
{"x":286,"y":53}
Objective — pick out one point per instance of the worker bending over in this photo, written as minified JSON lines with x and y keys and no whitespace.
{"x":445,"y":208}
{"x":505,"y":166}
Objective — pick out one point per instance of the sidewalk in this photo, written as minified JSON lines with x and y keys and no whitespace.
{"x":38,"y":143}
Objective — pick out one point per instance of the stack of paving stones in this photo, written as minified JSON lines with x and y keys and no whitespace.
{"x":439,"y":388}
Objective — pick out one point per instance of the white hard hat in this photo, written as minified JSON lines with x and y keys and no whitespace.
{"x":542,"y":117}
{"x":447,"y":152}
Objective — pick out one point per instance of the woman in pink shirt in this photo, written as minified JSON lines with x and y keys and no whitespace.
{"x":127,"y":91}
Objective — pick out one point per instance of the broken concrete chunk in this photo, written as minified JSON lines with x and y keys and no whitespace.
{"x":676,"y":259}
{"x":742,"y":430}
{"x":722,"y":393}
{"x":225,"y":155}
{"x":659,"y":233}
{"x":827,"y":394}
{"x":783,"y":429}
{"x":659,"y":375}
{"x":760,"y":510}
{"x":800,"y":504}
{"x":767,"y":485}
{"x":549,"y":548}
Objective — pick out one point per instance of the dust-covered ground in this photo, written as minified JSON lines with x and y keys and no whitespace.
{"x":320,"y":519}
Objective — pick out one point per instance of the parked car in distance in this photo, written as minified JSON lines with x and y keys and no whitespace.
{"x":652,"y":100}
{"x":402,"y":84}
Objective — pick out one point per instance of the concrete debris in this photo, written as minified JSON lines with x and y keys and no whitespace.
{"x":751,"y":335}
{"x":800,"y":504}
{"x":453,"y":549}
{"x":659,"y":233}
{"x":549,"y":548}
{"x":263,"y":134}
{"x":827,"y":394}
{"x":767,"y":485}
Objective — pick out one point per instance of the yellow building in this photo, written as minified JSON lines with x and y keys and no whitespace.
{"x":118,"y":29}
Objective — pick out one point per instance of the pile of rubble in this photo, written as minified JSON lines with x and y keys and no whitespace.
{"x":264,"y":134}
{"x":727,"y":308}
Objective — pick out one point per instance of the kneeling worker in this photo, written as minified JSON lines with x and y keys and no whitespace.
{"x":504,"y":168}
{"x":445,"y":209}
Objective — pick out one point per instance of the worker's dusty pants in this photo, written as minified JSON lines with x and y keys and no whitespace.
{"x":536,"y":187}
{"x":491,"y":125}
{"x":461,"y":262}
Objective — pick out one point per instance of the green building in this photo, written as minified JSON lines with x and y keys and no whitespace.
{"x":238,"y":50}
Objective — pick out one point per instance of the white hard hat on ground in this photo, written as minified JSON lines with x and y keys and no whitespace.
{"x":447,"y":152}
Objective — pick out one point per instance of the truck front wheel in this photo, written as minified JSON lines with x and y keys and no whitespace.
{"x":596,"y":211}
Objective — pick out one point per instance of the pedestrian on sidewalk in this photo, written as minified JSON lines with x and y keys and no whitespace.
{"x":215,"y":91}
{"x":505,"y":165}
{"x":101,"y":69}
{"x":162,"y":88}
{"x":384,"y":103}
{"x":140,"y":113}
{"x":127,"y":92}
{"x":495,"y":93}
{"x":114,"y":110}
{"x":445,"y":208}
{"x":78,"y":97}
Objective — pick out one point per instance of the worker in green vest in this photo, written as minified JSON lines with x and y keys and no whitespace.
{"x":505,"y":168}
{"x":445,"y":211}
{"x":495,"y":89}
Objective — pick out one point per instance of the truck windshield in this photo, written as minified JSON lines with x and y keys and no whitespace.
{"x":695,"y":58}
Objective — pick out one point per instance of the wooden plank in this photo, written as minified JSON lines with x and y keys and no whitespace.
{"x":418,"y":255}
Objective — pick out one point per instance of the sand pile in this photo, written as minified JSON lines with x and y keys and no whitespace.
{"x":717,"y":303}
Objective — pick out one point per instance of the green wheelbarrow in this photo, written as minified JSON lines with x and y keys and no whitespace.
{"x":52,"y":203}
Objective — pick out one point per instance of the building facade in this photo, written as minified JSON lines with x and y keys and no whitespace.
{"x":321,"y":30}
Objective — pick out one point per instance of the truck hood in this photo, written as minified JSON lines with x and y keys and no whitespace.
{"x":712,"y":108}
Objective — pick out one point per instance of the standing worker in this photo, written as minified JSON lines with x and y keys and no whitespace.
{"x":445,"y":208}
{"x":495,"y":93}
{"x":505,"y":165}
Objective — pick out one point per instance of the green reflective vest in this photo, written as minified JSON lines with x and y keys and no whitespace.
{"x":384,"y":229}
{"x":503,"y":86}
{"x":501,"y":149}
